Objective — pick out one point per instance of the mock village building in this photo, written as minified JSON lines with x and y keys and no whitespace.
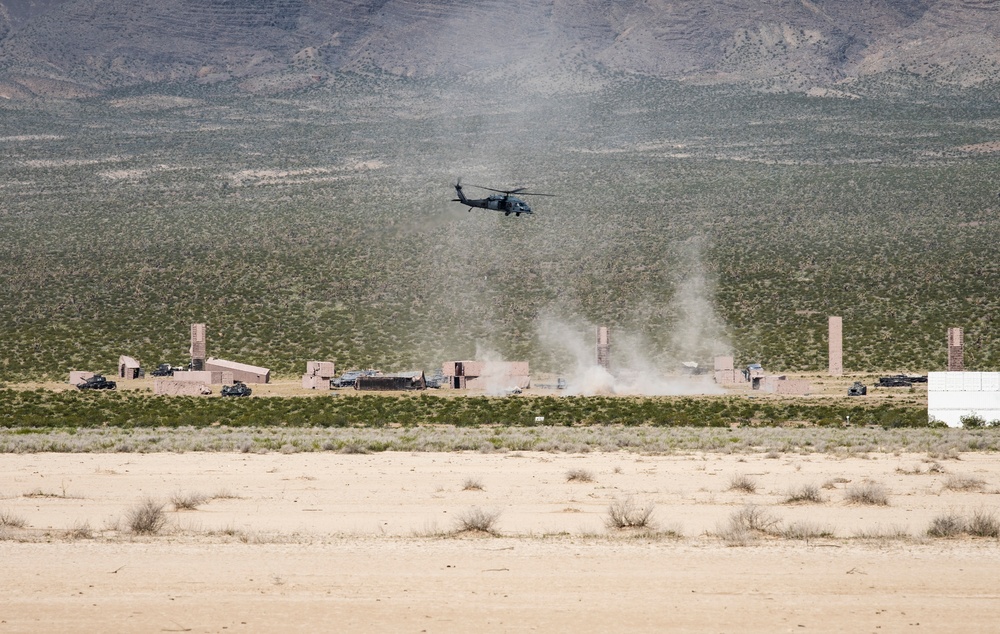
{"x":241,"y":371}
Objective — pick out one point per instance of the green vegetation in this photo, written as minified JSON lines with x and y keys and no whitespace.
{"x":318,"y":225}
{"x":40,"y":409}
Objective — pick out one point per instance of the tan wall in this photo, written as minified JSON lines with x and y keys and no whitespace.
{"x":793,"y":387}
{"x":724,"y":363}
{"x":313,"y":382}
{"x":79,"y":376}
{"x":171,"y":387}
{"x":727,"y":377}
{"x":199,"y":376}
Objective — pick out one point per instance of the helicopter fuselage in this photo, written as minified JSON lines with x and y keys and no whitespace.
{"x":498,"y":202}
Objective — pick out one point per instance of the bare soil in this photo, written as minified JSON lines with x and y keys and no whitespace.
{"x":306,"y":542}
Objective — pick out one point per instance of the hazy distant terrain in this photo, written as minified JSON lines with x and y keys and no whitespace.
{"x":68,"y":48}
{"x":317,"y":224}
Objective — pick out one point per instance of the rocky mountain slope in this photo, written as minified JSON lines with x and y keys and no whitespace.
{"x":77,"y":47}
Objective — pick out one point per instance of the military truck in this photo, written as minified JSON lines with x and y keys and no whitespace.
{"x":858,"y":389}
{"x":238,"y":388}
{"x":164,"y":369}
{"x":97,"y":382}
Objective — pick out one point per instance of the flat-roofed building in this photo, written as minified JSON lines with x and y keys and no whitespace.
{"x":952,"y":395}
{"x":129,"y":368}
{"x":486,"y":375}
{"x":241,"y":371}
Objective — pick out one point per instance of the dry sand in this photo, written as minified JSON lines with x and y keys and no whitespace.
{"x":332,"y":542}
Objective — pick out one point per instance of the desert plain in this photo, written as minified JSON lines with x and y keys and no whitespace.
{"x":254,"y":542}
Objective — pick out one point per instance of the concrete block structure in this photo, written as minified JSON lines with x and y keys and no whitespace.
{"x":725,"y":373}
{"x":952,"y":395}
{"x":204,"y":376}
{"x":318,"y":375}
{"x":79,"y":376}
{"x":173,"y":387}
{"x":486,"y":375}
{"x":780,"y":384}
{"x":313,"y":382}
{"x":836,"y":346}
{"x":391,"y":382}
{"x":956,"y":350}
{"x":321,"y":368}
{"x":241,"y":371}
{"x":198,"y":347}
{"x":604,"y":347}
{"x":129,"y":368}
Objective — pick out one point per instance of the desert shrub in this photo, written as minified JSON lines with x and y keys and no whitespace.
{"x":476,"y":520}
{"x":146,"y":518}
{"x":579,"y":475}
{"x":472,"y":484}
{"x":957,"y":482}
{"x":743,"y":483}
{"x":187,"y":501}
{"x":623,"y":514}
{"x":755,"y":519}
{"x":983,"y":524}
{"x":10,"y":520}
{"x":870,"y":493}
{"x":807,"y":493}
{"x":972,"y":421}
{"x":947,"y":525}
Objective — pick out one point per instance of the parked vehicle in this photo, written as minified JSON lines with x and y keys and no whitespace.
{"x":238,"y":388}
{"x":164,"y":369}
{"x":858,"y":389}
{"x":97,"y":382}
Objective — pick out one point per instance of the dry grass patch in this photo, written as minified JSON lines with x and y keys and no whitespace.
{"x":869,"y":493}
{"x":187,"y":501}
{"x":742,"y":483}
{"x":958,"y":482}
{"x":833,"y":482}
{"x":472,"y":484}
{"x":79,"y":531}
{"x":806,"y":531}
{"x":579,"y":475}
{"x":946,"y":525}
{"x":476,"y":520}
{"x":805,"y":494}
{"x":747,"y":525}
{"x":10,"y":520}
{"x":983,"y":524}
{"x":883,"y":533}
{"x":626,"y":514}
{"x":146,"y":518}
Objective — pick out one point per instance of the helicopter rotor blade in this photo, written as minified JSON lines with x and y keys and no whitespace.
{"x":508,"y":192}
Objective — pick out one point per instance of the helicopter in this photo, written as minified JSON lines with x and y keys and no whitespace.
{"x":507,"y":202}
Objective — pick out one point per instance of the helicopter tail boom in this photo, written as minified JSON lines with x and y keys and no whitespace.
{"x":461,"y":195}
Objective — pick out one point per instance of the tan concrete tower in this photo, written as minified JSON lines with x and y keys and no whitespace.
{"x":836,"y":346}
{"x":956,"y":350}
{"x":198,"y":347}
{"x":604,"y":348}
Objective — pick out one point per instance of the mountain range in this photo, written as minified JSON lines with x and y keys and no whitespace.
{"x":70,"y":48}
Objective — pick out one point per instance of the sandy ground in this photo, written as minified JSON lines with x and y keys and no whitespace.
{"x":334,"y":542}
